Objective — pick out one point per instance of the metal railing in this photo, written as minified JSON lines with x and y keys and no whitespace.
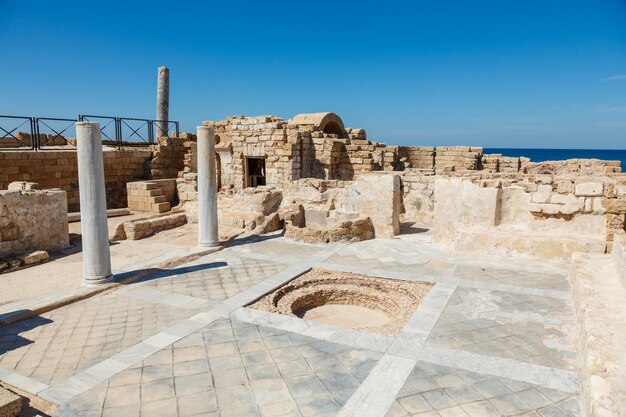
{"x":20,"y":132}
{"x":12,"y":137}
{"x":51,"y":132}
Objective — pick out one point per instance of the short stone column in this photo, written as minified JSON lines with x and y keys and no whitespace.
{"x":93,"y":206}
{"x":207,"y":188}
{"x":163,"y":102}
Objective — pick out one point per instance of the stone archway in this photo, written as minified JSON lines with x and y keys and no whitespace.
{"x":327,"y":122}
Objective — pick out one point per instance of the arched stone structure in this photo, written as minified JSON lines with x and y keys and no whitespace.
{"x":327,"y":122}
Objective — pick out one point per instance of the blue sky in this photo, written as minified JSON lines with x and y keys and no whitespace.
{"x":534,"y":73}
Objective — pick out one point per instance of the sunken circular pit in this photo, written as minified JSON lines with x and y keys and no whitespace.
{"x":348,"y":300}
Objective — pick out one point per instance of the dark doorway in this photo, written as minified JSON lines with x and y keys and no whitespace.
{"x":255,"y":172}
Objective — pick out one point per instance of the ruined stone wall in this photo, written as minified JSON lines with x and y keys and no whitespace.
{"x":572,"y":166}
{"x":496,"y":162}
{"x":533,"y":213}
{"x":168,"y":158}
{"x":59,"y":169}
{"x":32,"y":220}
{"x":416,"y":157}
{"x":263,"y":137}
{"x":457,"y":158}
{"x":295,"y":149}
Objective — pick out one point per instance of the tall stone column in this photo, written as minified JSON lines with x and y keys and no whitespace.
{"x":163,"y":102}
{"x":207,"y":188}
{"x":93,"y":206}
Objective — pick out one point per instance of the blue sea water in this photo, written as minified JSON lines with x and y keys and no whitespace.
{"x":540,"y":155}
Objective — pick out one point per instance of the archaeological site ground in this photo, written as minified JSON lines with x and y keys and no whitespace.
{"x":263,"y":266}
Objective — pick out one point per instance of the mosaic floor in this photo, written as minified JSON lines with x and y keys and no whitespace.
{"x":491,"y":338}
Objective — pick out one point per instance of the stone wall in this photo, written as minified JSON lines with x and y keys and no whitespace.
{"x":416,"y":157}
{"x":168,"y":158}
{"x":496,"y":162}
{"x":58,"y":169}
{"x":32,"y":220}
{"x":307,"y":146}
{"x":457,"y":158}
{"x":543,"y":215}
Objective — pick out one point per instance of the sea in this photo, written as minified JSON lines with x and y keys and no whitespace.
{"x":540,"y":155}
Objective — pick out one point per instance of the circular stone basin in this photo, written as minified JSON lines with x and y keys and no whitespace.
{"x":342,"y":315}
{"x":347,"y":300}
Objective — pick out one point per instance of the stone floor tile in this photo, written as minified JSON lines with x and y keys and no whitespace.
{"x":198,"y":403}
{"x":162,"y":408}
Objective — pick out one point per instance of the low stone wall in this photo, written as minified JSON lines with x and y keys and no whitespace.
{"x":598,"y":298}
{"x":59,"y":169}
{"x":32,"y":220}
{"x":540,"y":215}
{"x":573,"y":166}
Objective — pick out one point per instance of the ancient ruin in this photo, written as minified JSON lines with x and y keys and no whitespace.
{"x":449,"y":273}
{"x":348,"y":300}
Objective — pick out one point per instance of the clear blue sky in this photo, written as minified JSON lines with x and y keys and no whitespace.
{"x":533,"y":73}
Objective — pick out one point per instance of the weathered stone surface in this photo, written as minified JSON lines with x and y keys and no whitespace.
{"x":294,"y":214}
{"x":377,"y":197}
{"x":118,"y":233}
{"x":35,"y":257}
{"x":598,"y":293}
{"x":140,"y":229}
{"x":347,"y":231}
{"x":589,"y":189}
{"x":32,"y":220}
{"x":460,"y":203}
{"x":22,"y":185}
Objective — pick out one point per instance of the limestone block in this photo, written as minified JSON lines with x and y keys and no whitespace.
{"x":550,"y":208}
{"x":614,"y":205}
{"x":460,"y":203}
{"x":541,"y":197}
{"x":293,"y":213}
{"x":377,"y":197}
{"x":22,"y":185}
{"x":544,"y":188}
{"x":570,"y":203}
{"x":32,"y":220}
{"x":589,"y":189}
{"x":140,"y":229}
{"x":544,"y":179}
{"x":35,"y":257}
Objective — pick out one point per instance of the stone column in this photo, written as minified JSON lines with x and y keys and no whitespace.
{"x":207,"y":188}
{"x":93,"y":206}
{"x":163,"y":102}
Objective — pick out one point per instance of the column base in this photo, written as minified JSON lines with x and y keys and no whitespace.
{"x":211,"y":244}
{"x":96,"y":281}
